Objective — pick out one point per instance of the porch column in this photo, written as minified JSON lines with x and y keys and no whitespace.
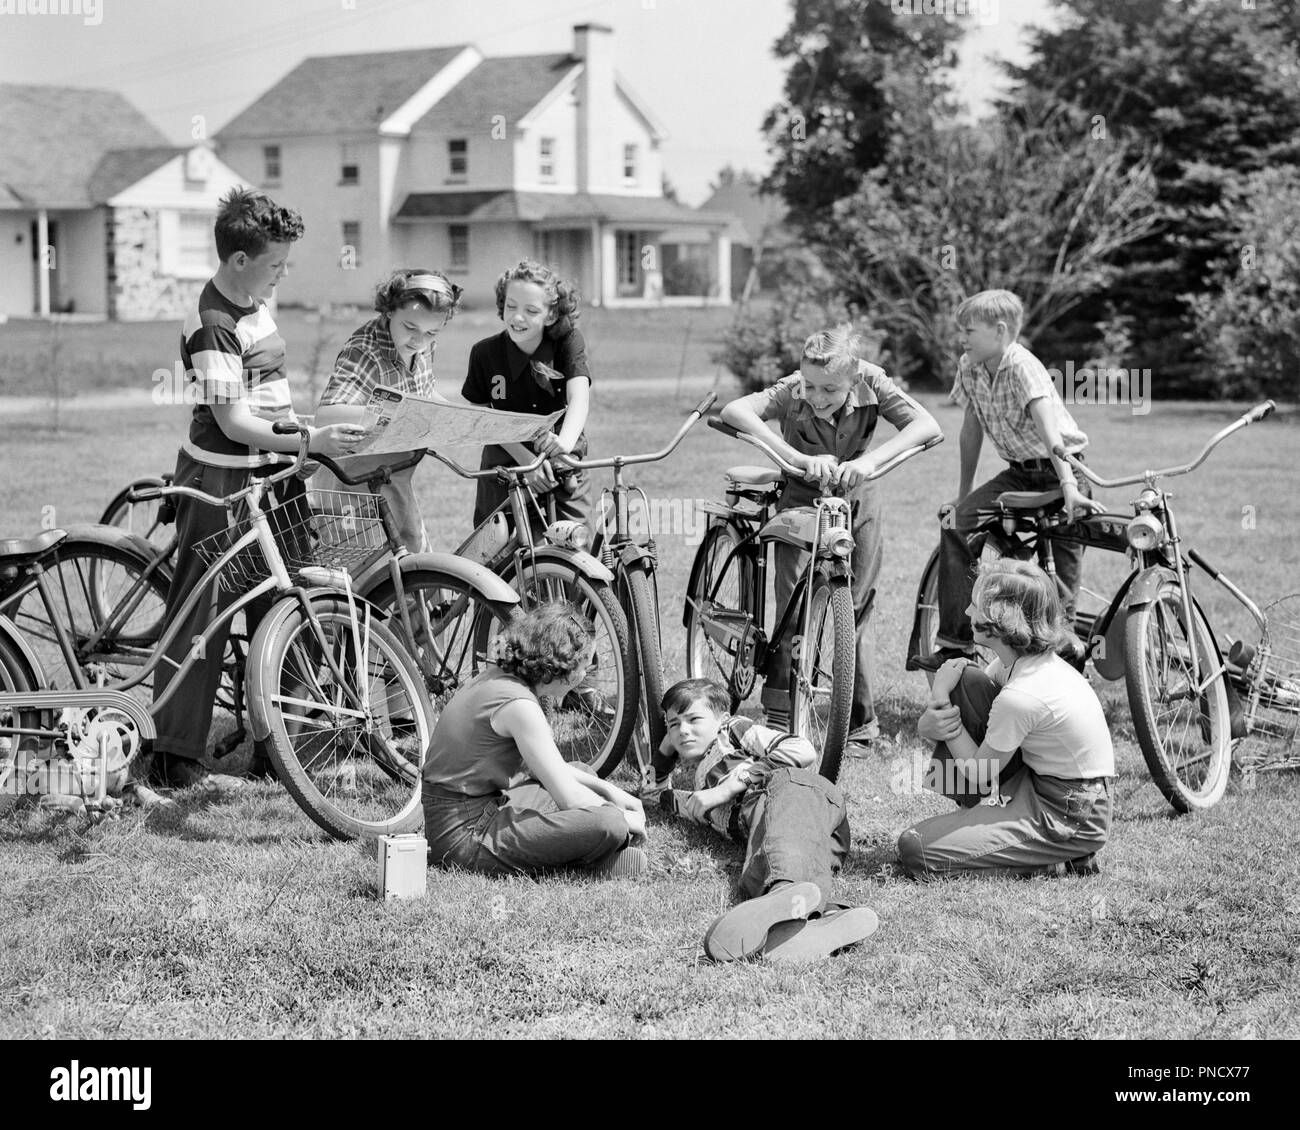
{"x":608,"y":267}
{"x":597,"y":265}
{"x":43,"y":263}
{"x":722,"y":259}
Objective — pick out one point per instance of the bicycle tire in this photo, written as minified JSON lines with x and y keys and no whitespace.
{"x":354,"y":778}
{"x":832,"y":604}
{"x":925,"y":614}
{"x":448,"y":654}
{"x":16,"y":673}
{"x":650,"y":660}
{"x":139,"y":517}
{"x":714,"y":564}
{"x":585,"y":730}
{"x":85,"y":578}
{"x":1157,"y":650}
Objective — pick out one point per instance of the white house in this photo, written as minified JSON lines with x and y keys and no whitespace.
{"x":440,"y":157}
{"x":99,"y":214}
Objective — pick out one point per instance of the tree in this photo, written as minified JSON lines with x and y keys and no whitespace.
{"x":1211,"y":89}
{"x":839,"y":118}
{"x":668,"y":189}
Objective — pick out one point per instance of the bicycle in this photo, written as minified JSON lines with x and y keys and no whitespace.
{"x":727,"y":635}
{"x":331,"y":688}
{"x":1186,"y":702}
{"x":634,"y":566}
{"x":594,"y":722}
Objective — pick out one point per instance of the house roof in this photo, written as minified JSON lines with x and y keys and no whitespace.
{"x":509,"y":86}
{"x":554,"y":207}
{"x":757,"y":215}
{"x":119,"y":169}
{"x":53,"y":140}
{"x":339,"y":93}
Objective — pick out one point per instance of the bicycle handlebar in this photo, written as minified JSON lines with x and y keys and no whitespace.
{"x":466,"y":473}
{"x":1259,"y":412}
{"x":790,"y":469}
{"x":649,"y":457}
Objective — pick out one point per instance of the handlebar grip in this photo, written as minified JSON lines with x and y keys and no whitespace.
{"x":1259,"y":412}
{"x":287,"y":427}
{"x":144,"y":494}
{"x":707,"y":403}
{"x":726,"y":429}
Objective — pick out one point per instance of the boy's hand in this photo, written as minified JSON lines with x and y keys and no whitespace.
{"x":695,"y":806}
{"x":334,"y":440}
{"x":543,"y":479}
{"x":1077,"y":504}
{"x":947,"y":678}
{"x":819,"y":467}
{"x":855,"y":471}
{"x":551,"y":444}
{"x":735,"y":782}
{"x":939,"y":723}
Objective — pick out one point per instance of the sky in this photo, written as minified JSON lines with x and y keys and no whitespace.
{"x":704,"y":67}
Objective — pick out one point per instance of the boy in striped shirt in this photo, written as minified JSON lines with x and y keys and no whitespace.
{"x":759,"y":787}
{"x":233,"y":357}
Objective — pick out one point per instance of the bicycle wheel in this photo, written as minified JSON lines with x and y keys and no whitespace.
{"x":1183,"y":729}
{"x":650,"y":729}
{"x":448,"y":617}
{"x":142,"y":518}
{"x":349,"y":746}
{"x":593,"y":723}
{"x":721,"y":580}
{"x":821,"y":673}
{"x":111,"y":612}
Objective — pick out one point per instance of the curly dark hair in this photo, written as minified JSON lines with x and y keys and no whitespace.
{"x":563,"y":296}
{"x":546,"y":643}
{"x":248,"y":220}
{"x":417,"y":286}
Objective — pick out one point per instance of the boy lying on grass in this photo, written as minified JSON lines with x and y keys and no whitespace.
{"x":759,"y":787}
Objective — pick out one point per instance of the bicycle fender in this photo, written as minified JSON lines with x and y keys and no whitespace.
{"x":632,"y":554}
{"x":118,"y":537}
{"x":15,"y":639}
{"x":1143,"y":590}
{"x":584,"y":563}
{"x":476,"y":576}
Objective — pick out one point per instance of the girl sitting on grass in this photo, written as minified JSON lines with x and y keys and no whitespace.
{"x":475,"y":815}
{"x":1023,"y":746}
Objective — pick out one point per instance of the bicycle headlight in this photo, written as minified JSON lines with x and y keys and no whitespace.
{"x":837,"y":541}
{"x":571,"y":535}
{"x":1145,"y":531}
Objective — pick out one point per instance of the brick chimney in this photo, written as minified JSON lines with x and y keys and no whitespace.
{"x":593,"y":44}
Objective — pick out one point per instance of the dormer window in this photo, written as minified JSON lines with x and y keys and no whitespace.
{"x":270,"y":164}
{"x":458,"y":158}
{"x":630,"y":163}
{"x":349,"y":169}
{"x":546,"y":158}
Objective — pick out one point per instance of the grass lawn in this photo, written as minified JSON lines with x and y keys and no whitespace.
{"x":233,"y":916}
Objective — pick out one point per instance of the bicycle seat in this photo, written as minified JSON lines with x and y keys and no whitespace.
{"x":1030,"y":500}
{"x":16,"y":551}
{"x":751,"y":477}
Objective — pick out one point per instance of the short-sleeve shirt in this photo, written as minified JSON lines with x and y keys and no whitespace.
{"x":1048,"y":711}
{"x":466,"y":755}
{"x":232,"y":353}
{"x":1001,"y":402}
{"x":872,"y":395}
{"x":502,"y":375}
{"x":369,"y":359}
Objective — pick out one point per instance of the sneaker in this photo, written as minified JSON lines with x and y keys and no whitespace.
{"x":939,"y":658}
{"x":1084,"y":865}
{"x":743,"y":930}
{"x":828,"y":933}
{"x":626,"y":863}
{"x":174,"y":772}
{"x":865,"y":735}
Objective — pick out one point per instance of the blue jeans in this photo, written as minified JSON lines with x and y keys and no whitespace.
{"x":798,"y":831}
{"x":957,"y":563}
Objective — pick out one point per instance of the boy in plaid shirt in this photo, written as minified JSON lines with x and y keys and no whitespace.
{"x":759,"y":787}
{"x":1008,"y":395}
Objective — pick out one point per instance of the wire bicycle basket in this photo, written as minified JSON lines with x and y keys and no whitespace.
{"x":1269,"y":685}
{"x":330,"y":528}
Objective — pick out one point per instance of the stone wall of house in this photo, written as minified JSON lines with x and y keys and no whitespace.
{"x":137,"y":290}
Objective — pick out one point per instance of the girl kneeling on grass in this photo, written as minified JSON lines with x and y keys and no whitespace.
{"x":475,"y":814}
{"x":1023,"y":746}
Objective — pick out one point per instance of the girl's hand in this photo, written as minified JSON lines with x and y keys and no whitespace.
{"x":939,"y":724}
{"x":947,"y":678}
{"x":551,"y":444}
{"x":334,"y":440}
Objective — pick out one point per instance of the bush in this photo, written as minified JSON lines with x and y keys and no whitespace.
{"x":766,"y":341}
{"x":688,"y":277}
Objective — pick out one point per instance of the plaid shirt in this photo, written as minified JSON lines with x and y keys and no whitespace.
{"x":1001,"y":402}
{"x":740,"y":741}
{"x":369,"y":358}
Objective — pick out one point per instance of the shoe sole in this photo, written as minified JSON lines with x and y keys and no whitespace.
{"x":742,"y":932}
{"x":797,"y":942}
